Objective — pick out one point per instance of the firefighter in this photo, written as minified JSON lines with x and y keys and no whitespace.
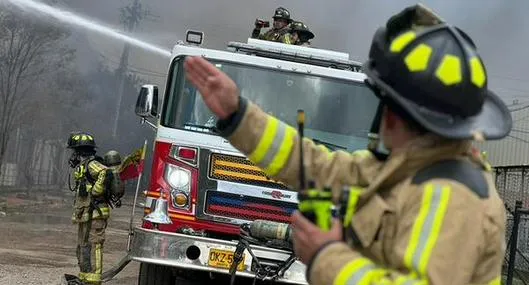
{"x":301,"y":34}
{"x":280,"y":31}
{"x":429,"y":212}
{"x":91,"y":209}
{"x":112,"y":159}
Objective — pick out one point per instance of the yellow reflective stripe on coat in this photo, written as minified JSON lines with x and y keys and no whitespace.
{"x":99,"y":185}
{"x":427,"y":227}
{"x":98,"y":189}
{"x":287,"y":39}
{"x":94,"y":167}
{"x":354,"y":271}
{"x":363,"y":153}
{"x":363,"y":271}
{"x":495,"y":281}
{"x":329,"y":153}
{"x":99,"y":259}
{"x":354,"y":195}
{"x":425,"y":233}
{"x":91,"y":277}
{"x":80,"y":172}
{"x":274,"y":148}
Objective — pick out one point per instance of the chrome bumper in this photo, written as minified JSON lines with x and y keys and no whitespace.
{"x":172,"y":249}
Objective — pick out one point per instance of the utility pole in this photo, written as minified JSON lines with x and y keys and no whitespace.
{"x":130,"y":17}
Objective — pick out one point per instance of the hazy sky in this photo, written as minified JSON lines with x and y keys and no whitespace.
{"x":500,"y":28}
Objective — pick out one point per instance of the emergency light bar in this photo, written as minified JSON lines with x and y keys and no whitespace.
{"x":300,"y":54}
{"x":300,"y":49}
{"x":194,"y":37}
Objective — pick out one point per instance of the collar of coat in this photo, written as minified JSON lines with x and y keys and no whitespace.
{"x":418,"y":154}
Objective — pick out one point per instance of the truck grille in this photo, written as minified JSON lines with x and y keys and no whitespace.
{"x":247,"y":208}
{"x":241,"y":170}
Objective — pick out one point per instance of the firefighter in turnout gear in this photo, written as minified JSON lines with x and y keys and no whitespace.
{"x":428,"y":211}
{"x":280,"y":32}
{"x":301,"y":35}
{"x":91,"y":208}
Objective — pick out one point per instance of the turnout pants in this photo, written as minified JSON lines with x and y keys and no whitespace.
{"x":90,"y":250}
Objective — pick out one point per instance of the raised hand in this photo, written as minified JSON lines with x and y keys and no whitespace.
{"x":218,"y":91}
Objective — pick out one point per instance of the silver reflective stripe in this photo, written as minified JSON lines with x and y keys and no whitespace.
{"x":275,"y":146}
{"x":428,"y":226}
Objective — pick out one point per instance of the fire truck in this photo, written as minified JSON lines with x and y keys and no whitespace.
{"x":203,"y":193}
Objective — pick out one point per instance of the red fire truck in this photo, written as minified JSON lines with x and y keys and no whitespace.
{"x":202,"y":190}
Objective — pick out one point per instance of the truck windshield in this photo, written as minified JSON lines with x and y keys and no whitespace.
{"x":338,"y":112}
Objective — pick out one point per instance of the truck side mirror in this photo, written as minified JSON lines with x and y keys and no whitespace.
{"x":147,"y":102}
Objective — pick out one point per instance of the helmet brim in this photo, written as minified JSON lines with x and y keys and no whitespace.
{"x":493,"y":122}
{"x":289,"y":20}
{"x":80,"y":146}
{"x":309,"y":34}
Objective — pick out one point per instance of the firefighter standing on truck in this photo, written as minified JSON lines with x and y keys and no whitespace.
{"x":429,"y":212}
{"x":280,"y":32}
{"x":91,"y":208}
{"x":301,"y":34}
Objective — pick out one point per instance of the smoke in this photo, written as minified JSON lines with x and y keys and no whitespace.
{"x":67,"y":17}
{"x":497,"y":27}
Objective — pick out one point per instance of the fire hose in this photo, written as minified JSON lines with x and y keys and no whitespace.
{"x":265,"y":233}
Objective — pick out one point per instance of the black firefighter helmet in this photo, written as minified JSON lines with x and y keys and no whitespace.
{"x":81,"y":140}
{"x":435,"y":75}
{"x":302,"y":29}
{"x":282,"y":13}
{"x":112,"y":158}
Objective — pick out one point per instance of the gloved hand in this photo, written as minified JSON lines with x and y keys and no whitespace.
{"x":261,"y":24}
{"x":218,"y":90}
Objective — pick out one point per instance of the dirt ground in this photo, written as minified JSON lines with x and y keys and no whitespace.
{"x":38,"y":241}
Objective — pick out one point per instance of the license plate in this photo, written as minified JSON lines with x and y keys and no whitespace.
{"x":223,"y":259}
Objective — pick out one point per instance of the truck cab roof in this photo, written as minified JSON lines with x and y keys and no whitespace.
{"x":286,"y":57}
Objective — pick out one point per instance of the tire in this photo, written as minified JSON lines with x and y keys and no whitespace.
{"x":153,"y":274}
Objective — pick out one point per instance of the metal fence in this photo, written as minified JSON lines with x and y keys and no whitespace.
{"x":512,"y":183}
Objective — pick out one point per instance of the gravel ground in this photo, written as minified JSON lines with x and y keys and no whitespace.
{"x":38,"y":241}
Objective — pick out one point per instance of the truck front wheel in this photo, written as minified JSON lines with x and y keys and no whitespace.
{"x":154,"y":274}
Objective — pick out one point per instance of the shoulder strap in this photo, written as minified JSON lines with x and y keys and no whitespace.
{"x":461,"y":171}
{"x":89,"y":177}
{"x":99,"y":159}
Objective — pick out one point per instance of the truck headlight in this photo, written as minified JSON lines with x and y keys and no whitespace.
{"x":179,"y":180}
{"x":177,"y":177}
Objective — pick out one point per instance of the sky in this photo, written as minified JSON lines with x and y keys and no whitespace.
{"x":498,"y":27}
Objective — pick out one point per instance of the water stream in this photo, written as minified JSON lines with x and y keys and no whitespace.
{"x":85,"y":23}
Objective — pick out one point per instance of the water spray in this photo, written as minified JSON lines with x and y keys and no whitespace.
{"x":74,"y":19}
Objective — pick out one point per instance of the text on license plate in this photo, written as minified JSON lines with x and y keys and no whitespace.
{"x":223,"y":259}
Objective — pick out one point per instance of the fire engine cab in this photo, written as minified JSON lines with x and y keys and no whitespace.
{"x":202,"y":191}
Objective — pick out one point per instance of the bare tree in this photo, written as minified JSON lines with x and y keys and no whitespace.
{"x":131,"y":17}
{"x":29,"y":50}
